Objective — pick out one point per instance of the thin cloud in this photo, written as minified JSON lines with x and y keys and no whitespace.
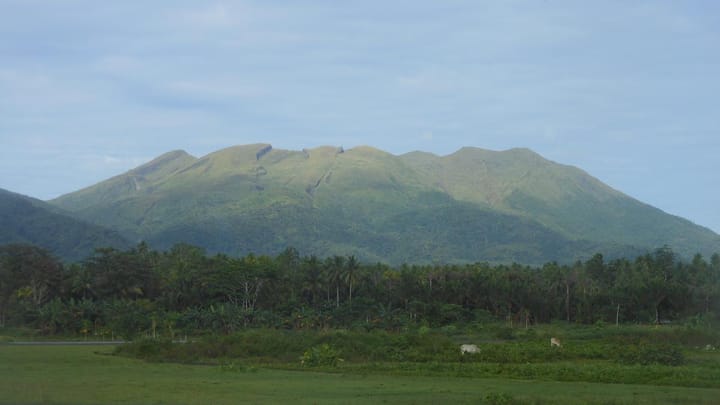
{"x":119,"y":65}
{"x":214,"y":16}
{"x":218,"y":88}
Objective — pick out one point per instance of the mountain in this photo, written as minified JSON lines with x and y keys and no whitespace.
{"x":563,"y":198}
{"x":473,"y":205}
{"x":27,"y":220}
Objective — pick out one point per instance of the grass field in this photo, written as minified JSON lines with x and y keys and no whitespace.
{"x":89,"y":375}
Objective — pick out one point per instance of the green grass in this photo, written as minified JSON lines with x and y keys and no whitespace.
{"x":88,"y":375}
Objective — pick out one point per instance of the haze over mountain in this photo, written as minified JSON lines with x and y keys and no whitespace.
{"x":472,"y":205}
{"x":27,"y":220}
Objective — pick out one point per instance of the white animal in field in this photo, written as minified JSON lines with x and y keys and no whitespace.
{"x":469,"y":349}
{"x":555,"y":342}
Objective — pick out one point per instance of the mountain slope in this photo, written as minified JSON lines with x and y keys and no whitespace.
{"x":26,"y":220}
{"x":118,"y":187}
{"x":563,"y":198}
{"x":473,"y":205}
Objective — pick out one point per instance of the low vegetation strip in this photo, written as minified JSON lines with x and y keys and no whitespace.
{"x":595,"y":372}
{"x":89,"y":375}
{"x":428,"y":353}
{"x":63,"y":343}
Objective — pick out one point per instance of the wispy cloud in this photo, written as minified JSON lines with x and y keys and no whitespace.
{"x":120,"y":65}
{"x":210,"y":17}
{"x":113,"y":163}
{"x":217,"y":88}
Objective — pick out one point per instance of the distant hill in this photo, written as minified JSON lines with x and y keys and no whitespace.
{"x":473,"y":205}
{"x":27,"y":220}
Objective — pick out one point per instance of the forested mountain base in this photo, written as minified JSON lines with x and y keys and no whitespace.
{"x":184,"y":291}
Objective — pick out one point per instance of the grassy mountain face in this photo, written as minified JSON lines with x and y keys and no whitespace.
{"x":563,"y":198}
{"x":27,"y":220}
{"x":473,"y":205}
{"x":137,"y":179}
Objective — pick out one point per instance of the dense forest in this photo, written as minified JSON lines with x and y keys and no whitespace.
{"x":116,"y":293}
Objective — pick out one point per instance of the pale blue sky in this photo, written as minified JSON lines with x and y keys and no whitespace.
{"x":627,"y":90}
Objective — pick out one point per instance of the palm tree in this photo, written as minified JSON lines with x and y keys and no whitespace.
{"x":335,"y":274}
{"x":351,"y":274}
{"x":313,"y":277}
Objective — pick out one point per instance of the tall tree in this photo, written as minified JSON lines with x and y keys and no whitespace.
{"x":312,"y":278}
{"x":350,"y":275}
{"x":289,"y":267}
{"x":335,"y":267}
{"x":183,"y":276}
{"x":38,"y":274}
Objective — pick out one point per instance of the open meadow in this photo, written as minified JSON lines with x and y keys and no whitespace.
{"x":93,"y":374}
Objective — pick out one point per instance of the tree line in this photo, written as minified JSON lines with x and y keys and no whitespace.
{"x":185,"y":290}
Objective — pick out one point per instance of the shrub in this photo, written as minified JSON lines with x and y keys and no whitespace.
{"x":146,"y":349}
{"x":518,"y":353}
{"x":231,"y":366}
{"x":666,"y":355}
{"x":322,"y":355}
{"x":505,"y":333}
{"x":499,"y":399}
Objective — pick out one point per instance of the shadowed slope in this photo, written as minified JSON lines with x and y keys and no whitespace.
{"x":26,"y":220}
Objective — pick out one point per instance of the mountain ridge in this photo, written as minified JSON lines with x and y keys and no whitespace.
{"x":326,"y":197}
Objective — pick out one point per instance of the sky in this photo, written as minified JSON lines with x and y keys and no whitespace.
{"x":628,"y":91}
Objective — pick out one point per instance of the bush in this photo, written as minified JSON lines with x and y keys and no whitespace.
{"x":322,"y":355}
{"x":505,"y":333}
{"x":146,"y":349}
{"x":499,"y":399}
{"x":666,"y":355}
{"x":519,"y":353}
{"x":231,"y":366}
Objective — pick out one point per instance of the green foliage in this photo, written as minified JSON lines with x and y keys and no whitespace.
{"x":129,"y":319}
{"x":598,"y":371}
{"x":184,"y":292}
{"x":233,"y":367}
{"x":325,"y":348}
{"x":260,"y":345}
{"x":282,"y":346}
{"x":625,"y":345}
{"x":149,"y":349}
{"x":505,"y":333}
{"x":501,"y":398}
{"x":515,"y":352}
{"x":322,"y":355}
{"x":647,"y":354}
